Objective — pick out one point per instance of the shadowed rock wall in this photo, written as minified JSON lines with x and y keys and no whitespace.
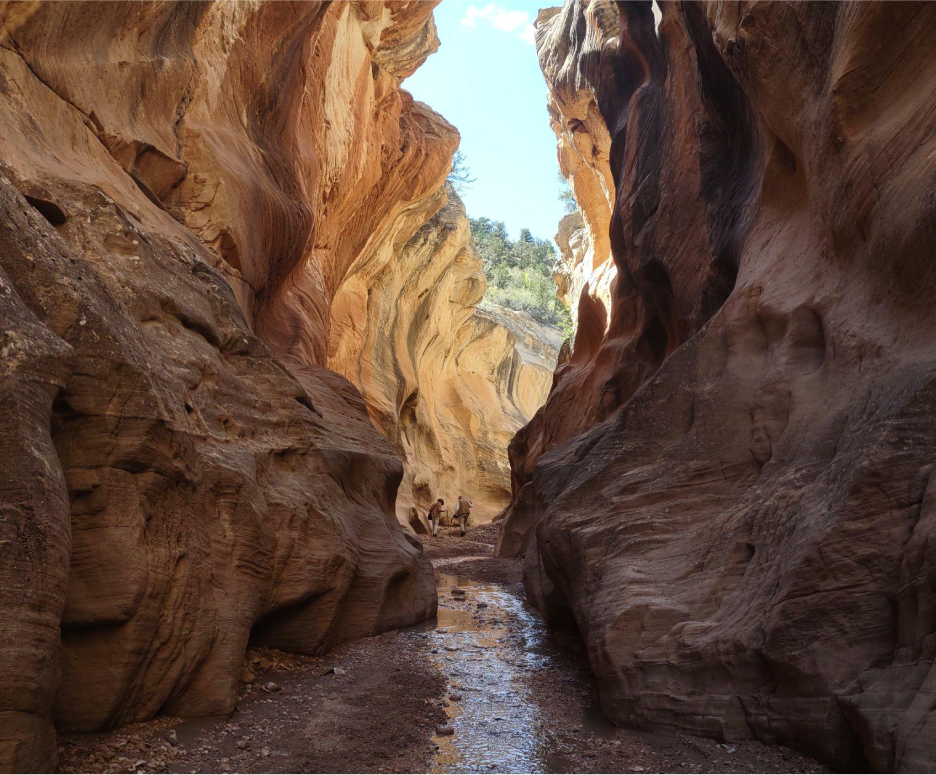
{"x":739,"y":519}
{"x":183,"y":188}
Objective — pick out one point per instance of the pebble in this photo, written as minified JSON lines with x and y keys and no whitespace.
{"x":445,"y":730}
{"x":172,"y":737}
{"x":269,"y":686}
{"x":243,"y":744}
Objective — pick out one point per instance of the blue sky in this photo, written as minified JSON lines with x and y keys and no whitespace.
{"x":486,"y":81}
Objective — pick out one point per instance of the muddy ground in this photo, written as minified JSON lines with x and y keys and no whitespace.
{"x":485,"y":688}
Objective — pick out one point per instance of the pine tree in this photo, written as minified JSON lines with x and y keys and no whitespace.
{"x":460,"y":176}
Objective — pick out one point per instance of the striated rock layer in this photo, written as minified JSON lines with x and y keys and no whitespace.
{"x":446,"y":382}
{"x":741,"y":521}
{"x":184,"y":188}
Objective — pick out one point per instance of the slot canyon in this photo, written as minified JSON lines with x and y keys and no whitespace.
{"x":246,"y":345}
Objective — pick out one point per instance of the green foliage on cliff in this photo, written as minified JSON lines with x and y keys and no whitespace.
{"x":519,"y":273}
{"x":460,"y":176}
{"x":566,"y":196}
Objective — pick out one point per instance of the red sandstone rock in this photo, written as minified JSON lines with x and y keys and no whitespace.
{"x":181,"y":472}
{"x":734,"y":505}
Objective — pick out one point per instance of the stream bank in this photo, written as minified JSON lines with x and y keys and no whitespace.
{"x":516,"y":697}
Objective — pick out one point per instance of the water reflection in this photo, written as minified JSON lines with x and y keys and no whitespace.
{"x":486,"y":642}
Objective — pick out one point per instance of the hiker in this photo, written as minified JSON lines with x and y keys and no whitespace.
{"x":463,"y":511}
{"x":435,"y":515}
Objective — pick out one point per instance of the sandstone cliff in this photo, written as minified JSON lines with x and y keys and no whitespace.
{"x":446,"y":382}
{"x":583,"y":146}
{"x":741,"y":526}
{"x":569,"y":55}
{"x":184,"y":188}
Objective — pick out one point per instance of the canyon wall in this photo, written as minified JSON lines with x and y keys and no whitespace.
{"x":583,"y":145}
{"x":737,"y":512}
{"x":569,"y":47}
{"x":446,"y":382}
{"x":184,"y":188}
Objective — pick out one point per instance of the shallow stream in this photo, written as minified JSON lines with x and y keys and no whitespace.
{"x":488,"y":643}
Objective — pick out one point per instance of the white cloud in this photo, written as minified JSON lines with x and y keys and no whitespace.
{"x":501,"y":19}
{"x":508,"y":21}
{"x":472,"y":13}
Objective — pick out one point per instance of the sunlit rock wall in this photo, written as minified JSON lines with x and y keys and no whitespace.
{"x":184,"y":187}
{"x":583,"y":145}
{"x":570,"y":43}
{"x":742,"y":530}
{"x":446,"y":382}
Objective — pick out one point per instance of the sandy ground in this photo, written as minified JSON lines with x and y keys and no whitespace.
{"x":516,"y":698}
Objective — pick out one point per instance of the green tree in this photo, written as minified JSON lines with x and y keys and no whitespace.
{"x":566,"y":196}
{"x":460,"y":176}
{"x":519,"y":273}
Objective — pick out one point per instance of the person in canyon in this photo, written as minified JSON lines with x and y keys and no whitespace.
{"x":463,"y":511}
{"x":435,"y":514}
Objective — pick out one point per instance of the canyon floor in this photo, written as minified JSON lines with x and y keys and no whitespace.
{"x":515,"y":697}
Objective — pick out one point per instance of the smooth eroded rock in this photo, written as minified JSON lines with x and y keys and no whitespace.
{"x":729,"y":490}
{"x":183,"y":188}
{"x":447,"y":381}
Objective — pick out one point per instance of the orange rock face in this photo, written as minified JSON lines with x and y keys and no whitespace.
{"x":446,"y":382}
{"x":184,"y":189}
{"x":729,"y":491}
{"x":583,"y":145}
